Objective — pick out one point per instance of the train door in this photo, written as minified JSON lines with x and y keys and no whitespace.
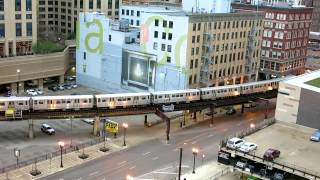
{"x":76,"y":103}
{"x":135,"y":100}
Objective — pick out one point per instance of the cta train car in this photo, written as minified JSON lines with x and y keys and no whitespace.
{"x":122,"y":100}
{"x":74,"y":102}
{"x":178,"y":96}
{"x":19,"y":103}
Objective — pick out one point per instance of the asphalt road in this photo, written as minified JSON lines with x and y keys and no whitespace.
{"x":157,"y":159}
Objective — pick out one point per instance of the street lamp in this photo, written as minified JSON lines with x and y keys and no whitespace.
{"x":125,"y":126}
{"x":129,"y":177}
{"x":252,"y":125}
{"x":17,"y":155}
{"x":195,"y":151}
{"x":61,"y":144}
{"x":19,"y":84}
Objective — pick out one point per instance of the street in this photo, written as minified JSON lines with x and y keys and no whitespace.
{"x":157,"y":159}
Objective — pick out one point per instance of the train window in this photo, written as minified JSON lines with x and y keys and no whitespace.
{"x":119,"y":99}
{"x":89,"y":100}
{"x":99,"y":100}
{"x":104,"y":100}
{"x":85,"y":101}
{"x":160,"y":97}
{"x":143,"y":98}
{"x":63,"y":102}
{"x":40,"y":102}
{"x":2,"y":104}
{"x":58,"y":102}
{"x":155,"y":97}
{"x":129,"y":99}
{"x":35,"y":102}
{"x":173,"y":95}
{"x":181,"y":95}
{"x":68,"y":102}
{"x":20,"y":103}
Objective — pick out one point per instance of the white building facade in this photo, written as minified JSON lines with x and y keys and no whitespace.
{"x":207,"y":6}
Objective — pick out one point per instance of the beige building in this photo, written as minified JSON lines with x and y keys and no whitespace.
{"x":60,"y":16}
{"x":223,"y":48}
{"x":152,"y":1}
{"x":18,"y":27}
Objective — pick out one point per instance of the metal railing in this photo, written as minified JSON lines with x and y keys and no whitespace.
{"x":48,"y":156}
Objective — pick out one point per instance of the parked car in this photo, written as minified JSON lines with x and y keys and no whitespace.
{"x":235,"y":143}
{"x":315,"y":136}
{"x":88,"y":121}
{"x":248,"y":146}
{"x":47,"y":129}
{"x":231,"y":111}
{"x":60,"y":87}
{"x":271,"y":154}
{"x":241,"y":165}
{"x":74,"y":86}
{"x":32,"y":92}
{"x":279,"y":176}
{"x":53,"y":88}
{"x":39,"y":92}
{"x":67,"y":86}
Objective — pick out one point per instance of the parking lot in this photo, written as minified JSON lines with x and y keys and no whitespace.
{"x":293,"y":141}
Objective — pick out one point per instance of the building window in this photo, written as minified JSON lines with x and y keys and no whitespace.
{"x":163,"y":47}
{"x":190,"y":79}
{"x":122,"y":11}
{"x":81,"y":4}
{"x":170,"y":36}
{"x":98,"y":4}
{"x":18,"y":5}
{"x":138,"y":13}
{"x":29,"y":29}
{"x":191,"y":64}
{"x":155,"y":46}
{"x":28,"y":5}
{"x":90,"y":4}
{"x":18,"y":29}
{"x":84,"y":68}
{"x":170,"y":24}
{"x":2,"y":30}
{"x":156,"y":22}
{"x":155,"y":35}
{"x":195,"y":79}
{"x":169,"y":48}
{"x":84,"y":55}
{"x":110,"y":37}
{"x":168,"y":59}
{"x":138,"y":23}
{"x":28,"y":16}
{"x":18,"y":16}
{"x":132,"y":13}
{"x":196,"y":64}
{"x":110,"y":5}
{"x":1,"y":5}
{"x":164,"y":35}
{"x":127,"y":12}
{"x":165,"y":23}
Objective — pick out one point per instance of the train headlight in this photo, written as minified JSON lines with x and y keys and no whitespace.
{"x":190,"y":98}
{"x":270,"y":88}
{"x":236,"y":93}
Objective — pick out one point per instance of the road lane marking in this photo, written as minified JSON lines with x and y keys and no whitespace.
{"x":185,"y":143}
{"x":132,"y":167}
{"x":144,"y":154}
{"x":157,"y":172}
{"x":194,"y":142}
{"x":123,"y":162}
{"x":155,"y":158}
{"x":94,"y":173}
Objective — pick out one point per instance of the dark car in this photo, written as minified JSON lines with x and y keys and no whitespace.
{"x":53,"y":88}
{"x":278,"y":176}
{"x":271,"y":154}
{"x":231,"y":111}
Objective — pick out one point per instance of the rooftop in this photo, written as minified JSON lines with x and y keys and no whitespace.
{"x":280,"y":6}
{"x":301,"y":81}
{"x":294,"y":144}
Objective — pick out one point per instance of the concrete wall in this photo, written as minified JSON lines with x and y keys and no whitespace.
{"x":33,"y":67}
{"x":309,"y":111}
{"x":288,"y":103}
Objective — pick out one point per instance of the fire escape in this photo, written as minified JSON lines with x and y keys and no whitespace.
{"x":207,"y":48}
{"x":251,"y":48}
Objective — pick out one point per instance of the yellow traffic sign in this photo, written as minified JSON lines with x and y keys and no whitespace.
{"x":111,"y":126}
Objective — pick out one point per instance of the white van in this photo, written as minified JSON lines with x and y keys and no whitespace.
{"x":235,"y":143}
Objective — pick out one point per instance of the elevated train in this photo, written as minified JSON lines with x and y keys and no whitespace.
{"x":110,"y":101}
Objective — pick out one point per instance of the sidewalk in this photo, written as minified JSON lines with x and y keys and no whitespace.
{"x":52,"y":166}
{"x":210,"y":171}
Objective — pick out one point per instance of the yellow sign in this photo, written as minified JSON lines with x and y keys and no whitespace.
{"x":111,"y":126}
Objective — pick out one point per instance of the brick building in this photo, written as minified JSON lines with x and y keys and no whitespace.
{"x":285,"y":38}
{"x":315,"y":26}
